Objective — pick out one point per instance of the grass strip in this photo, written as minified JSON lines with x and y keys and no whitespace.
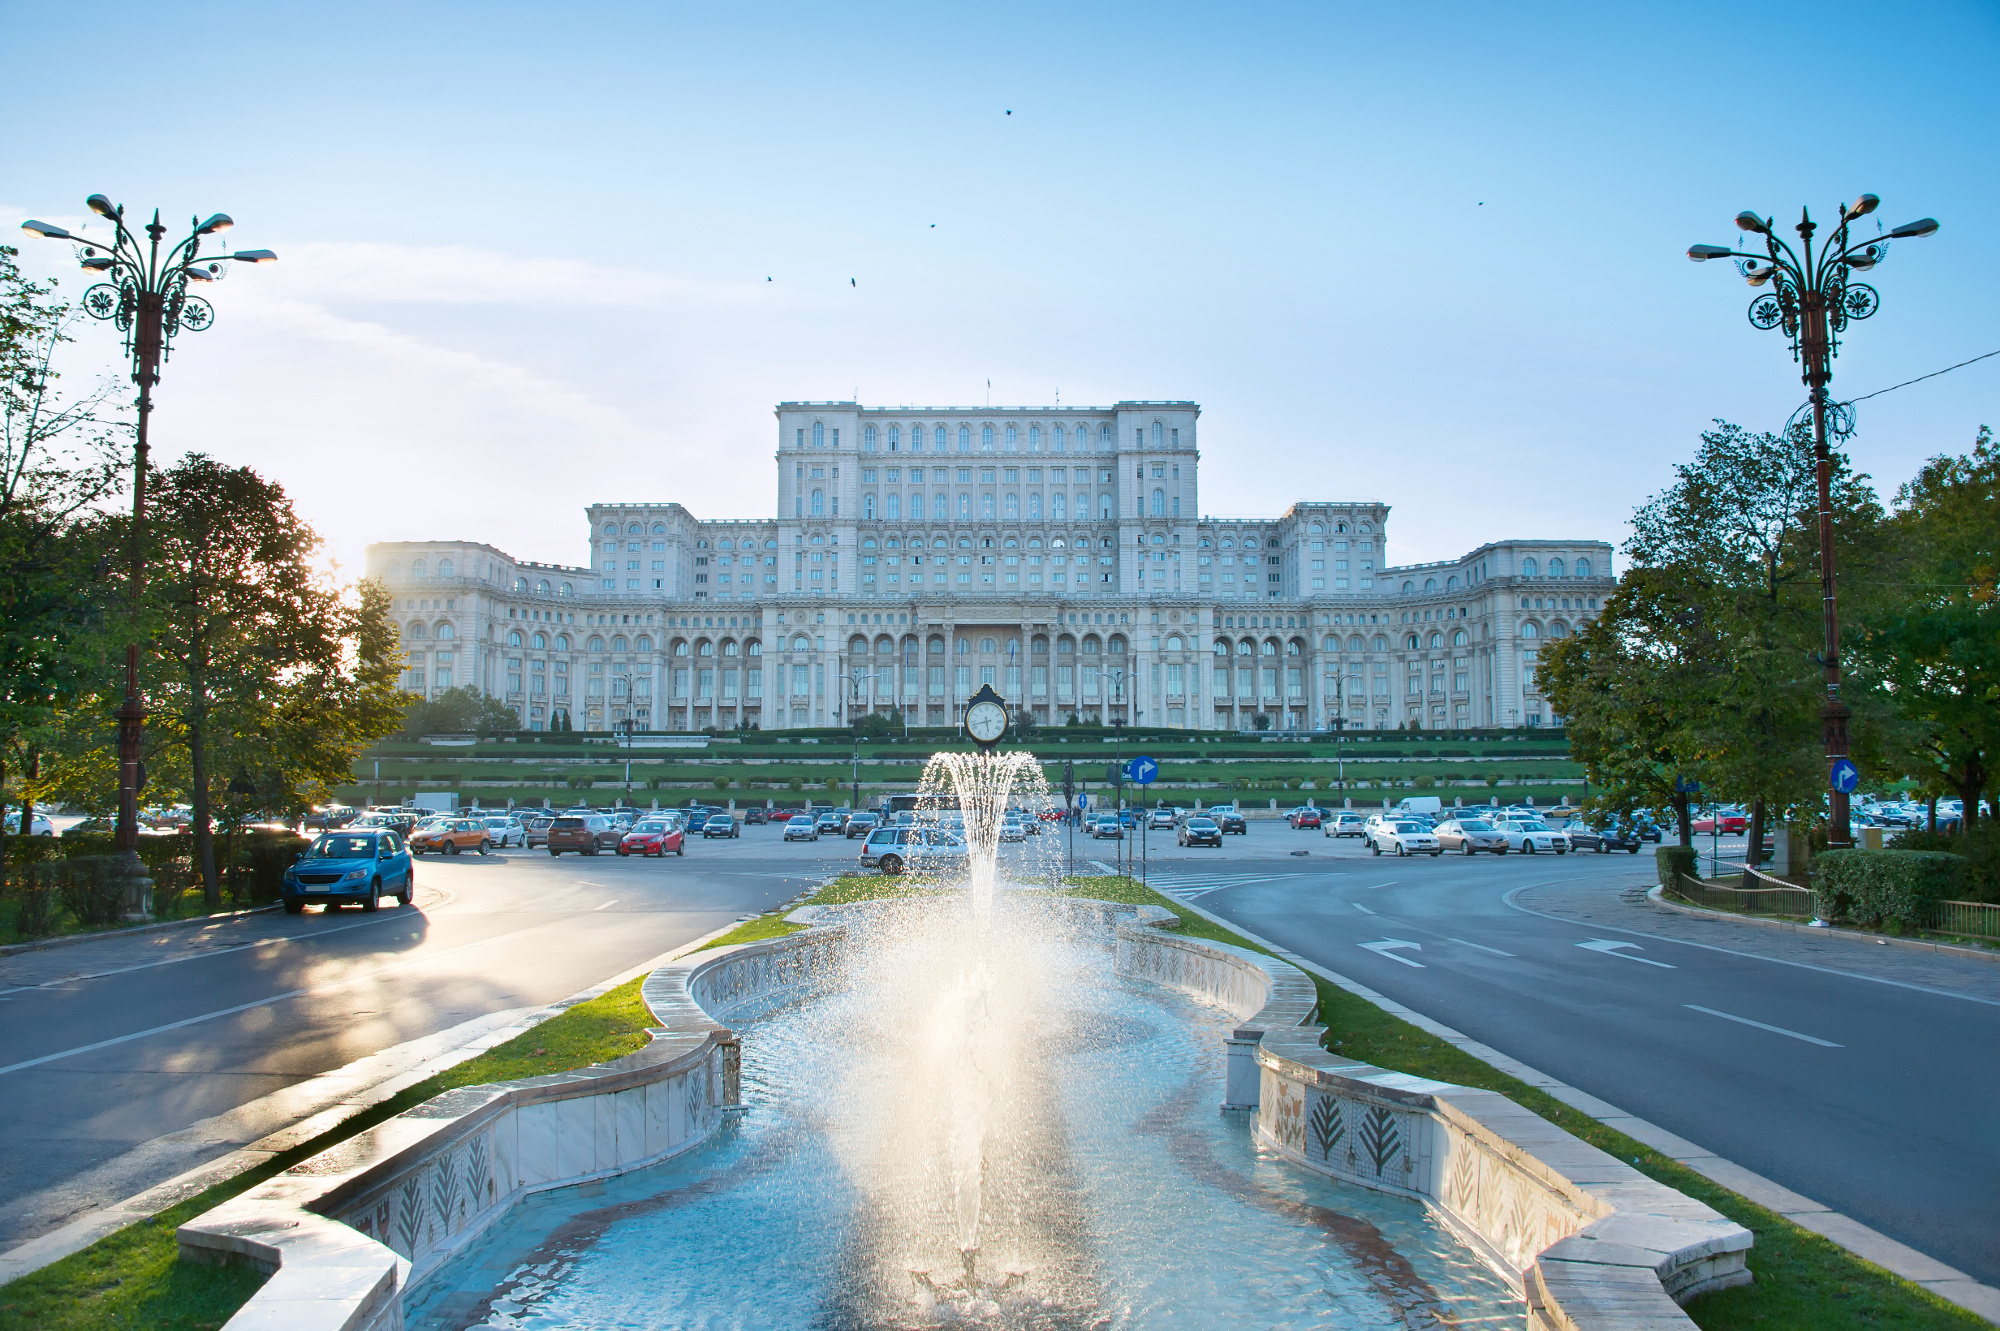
{"x":1804,"y":1282}
{"x":135,"y":1278}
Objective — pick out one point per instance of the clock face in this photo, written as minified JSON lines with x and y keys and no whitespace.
{"x":987,"y":721}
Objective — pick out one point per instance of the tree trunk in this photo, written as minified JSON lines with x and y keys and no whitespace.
{"x":1931,"y":804}
{"x":1682,"y":821}
{"x":204,"y":835}
{"x":1972,"y":781}
{"x":1753,"y":854}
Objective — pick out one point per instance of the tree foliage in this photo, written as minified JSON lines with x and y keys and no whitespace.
{"x":265,"y":679}
{"x":464,"y":710}
{"x":1929,"y":640}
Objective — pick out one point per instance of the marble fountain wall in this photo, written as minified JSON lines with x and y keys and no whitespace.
{"x":349,"y":1235}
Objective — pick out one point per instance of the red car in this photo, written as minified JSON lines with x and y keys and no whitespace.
{"x":1304,"y":818}
{"x":1733,"y":824}
{"x":655,"y":836}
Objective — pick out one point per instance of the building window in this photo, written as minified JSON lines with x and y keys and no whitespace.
{"x":819,"y":503}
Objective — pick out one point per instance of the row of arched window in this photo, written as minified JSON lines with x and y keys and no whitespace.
{"x":1007,"y":438}
{"x":1529,"y":568}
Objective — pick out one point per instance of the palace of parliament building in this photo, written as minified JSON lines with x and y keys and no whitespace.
{"x":1059,"y":554}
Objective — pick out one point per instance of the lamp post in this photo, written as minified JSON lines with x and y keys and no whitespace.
{"x":145,"y":296}
{"x":1813,"y":298}
{"x":854,"y":716}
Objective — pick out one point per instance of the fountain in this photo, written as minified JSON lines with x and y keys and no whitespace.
{"x":960,"y":1116}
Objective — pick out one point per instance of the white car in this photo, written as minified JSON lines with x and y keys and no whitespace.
{"x":1403,"y":836}
{"x":801,"y":828}
{"x":505,"y":831}
{"x":39,"y":826}
{"x":1529,"y":835}
{"x":1010,"y":830}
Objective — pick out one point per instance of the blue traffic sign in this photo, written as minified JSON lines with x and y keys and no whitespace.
{"x":1142,"y":770}
{"x":1686,"y":786}
{"x":1845,"y":777}
{"x":1082,"y":800}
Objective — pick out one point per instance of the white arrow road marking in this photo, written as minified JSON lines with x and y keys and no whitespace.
{"x":1610,"y":949}
{"x":1387,"y":947}
{"x":1363,"y":909}
{"x":1775,"y":1030}
{"x":1483,"y":948}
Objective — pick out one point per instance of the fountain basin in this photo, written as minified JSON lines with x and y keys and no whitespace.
{"x":354,"y":1235}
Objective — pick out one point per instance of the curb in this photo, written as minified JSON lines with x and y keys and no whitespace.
{"x":1656,"y":896}
{"x":66,"y":940}
{"x":1899,"y":1259}
{"x":79,"y":1233}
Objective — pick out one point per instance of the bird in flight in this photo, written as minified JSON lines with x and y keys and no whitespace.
{"x":850,"y":281}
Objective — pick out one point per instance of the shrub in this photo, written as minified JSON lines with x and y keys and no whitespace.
{"x":797,"y":784}
{"x":1426,"y":782}
{"x":1886,"y":888}
{"x":1980,"y":846}
{"x":1673,"y":862}
{"x":722,"y":783}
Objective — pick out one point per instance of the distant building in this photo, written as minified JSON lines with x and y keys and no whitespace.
{"x":1056,"y":553}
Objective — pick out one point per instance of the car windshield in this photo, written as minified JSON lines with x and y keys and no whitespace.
{"x":1408,"y":827}
{"x":1197,"y":825}
{"x":650,"y":827}
{"x":344,"y":848}
{"x":1474,"y":825}
{"x":1529,"y":825}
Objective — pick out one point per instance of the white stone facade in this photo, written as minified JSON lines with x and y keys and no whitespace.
{"x":1057,"y":553}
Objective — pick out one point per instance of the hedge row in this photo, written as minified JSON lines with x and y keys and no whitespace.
{"x":1887,"y":888}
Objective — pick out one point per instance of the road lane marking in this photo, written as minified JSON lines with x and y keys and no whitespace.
{"x":1611,"y":948}
{"x":1507,"y":899}
{"x":333,"y":986}
{"x":1775,"y":1030}
{"x":1387,"y":948}
{"x":1376,"y":887}
{"x":1363,"y":909}
{"x":607,"y":905}
{"x":196,"y":956}
{"x":1483,"y":948}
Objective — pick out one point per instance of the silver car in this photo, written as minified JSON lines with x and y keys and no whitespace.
{"x":1470,"y":836}
{"x":505,"y":831}
{"x":1403,"y":836}
{"x":896,"y":850}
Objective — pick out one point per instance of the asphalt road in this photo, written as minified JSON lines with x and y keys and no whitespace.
{"x":1861,"y":1076}
{"x":109,"y":1044}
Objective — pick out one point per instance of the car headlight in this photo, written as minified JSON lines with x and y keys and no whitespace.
{"x":354,"y":875}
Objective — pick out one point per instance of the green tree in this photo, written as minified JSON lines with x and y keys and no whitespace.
{"x":58,"y":463}
{"x":1709,"y":653}
{"x":465,"y":710}
{"x":1928,"y":638}
{"x":267,"y":679}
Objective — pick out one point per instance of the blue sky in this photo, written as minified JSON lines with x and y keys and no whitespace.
{"x":1430,"y":255}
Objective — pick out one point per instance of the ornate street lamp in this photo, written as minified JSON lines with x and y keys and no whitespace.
{"x":146,"y":296}
{"x":1813,"y":298}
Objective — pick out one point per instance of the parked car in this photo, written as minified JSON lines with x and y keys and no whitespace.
{"x":537,"y":828}
{"x":1106,"y":827}
{"x":1299,"y":818}
{"x":1583,"y":837}
{"x":1200,"y":831}
{"x":329,"y":816}
{"x":754,"y":818}
{"x":449,"y":836}
{"x":39,"y":825}
{"x":584,"y":833}
{"x":1617,"y":836}
{"x":1160,"y":820}
{"x":801,"y":829}
{"x":1012,"y":830}
{"x":1345,"y":823}
{"x":721,"y":824}
{"x":860,"y":825}
{"x":1530,"y":835}
{"x":828,"y":824}
{"x":342,"y":868}
{"x":1469,"y":836}
{"x":505,"y":830}
{"x":896,"y":850}
{"x":1403,"y":836}
{"x":654,"y":836}
{"x":695,"y":819}
{"x":1229,"y":820}
{"x":1730,"y":824}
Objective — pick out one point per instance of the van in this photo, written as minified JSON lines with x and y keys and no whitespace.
{"x":1426,"y":804}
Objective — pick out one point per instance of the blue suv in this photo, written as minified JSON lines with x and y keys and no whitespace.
{"x":350,"y":867}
